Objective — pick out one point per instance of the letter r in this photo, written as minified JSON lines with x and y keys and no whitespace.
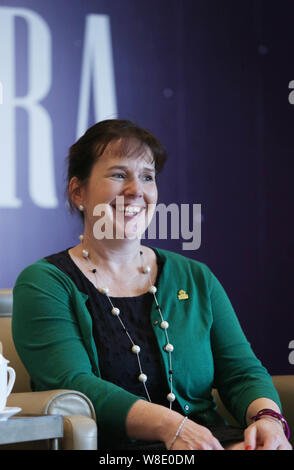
{"x":40,"y":164}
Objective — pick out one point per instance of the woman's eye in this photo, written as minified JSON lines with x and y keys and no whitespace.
{"x":148,"y":177}
{"x":122,"y":176}
{"x":118,"y":175}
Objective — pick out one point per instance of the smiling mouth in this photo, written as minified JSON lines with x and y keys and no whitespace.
{"x":128,"y":211}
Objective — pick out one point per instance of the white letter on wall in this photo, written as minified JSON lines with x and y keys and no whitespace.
{"x":41,"y":164}
{"x":97,"y":70}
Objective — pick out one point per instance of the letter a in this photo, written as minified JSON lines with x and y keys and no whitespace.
{"x":97,"y":69}
{"x":291,"y":95}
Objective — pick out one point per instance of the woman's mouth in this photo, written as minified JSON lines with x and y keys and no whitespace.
{"x":129,"y":210}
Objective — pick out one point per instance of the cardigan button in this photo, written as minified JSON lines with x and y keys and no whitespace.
{"x":187,"y":407}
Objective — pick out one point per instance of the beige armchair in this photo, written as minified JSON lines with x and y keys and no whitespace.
{"x":79,"y":420}
{"x":80,"y":429}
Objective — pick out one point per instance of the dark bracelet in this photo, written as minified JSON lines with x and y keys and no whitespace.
{"x":274,"y":414}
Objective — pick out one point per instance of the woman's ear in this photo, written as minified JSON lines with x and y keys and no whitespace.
{"x":75,"y":191}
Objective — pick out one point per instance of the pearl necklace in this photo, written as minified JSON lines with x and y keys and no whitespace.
{"x":136,"y":349}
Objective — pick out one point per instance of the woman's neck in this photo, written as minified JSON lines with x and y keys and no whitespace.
{"x":118,"y":263}
{"x":112,"y":255}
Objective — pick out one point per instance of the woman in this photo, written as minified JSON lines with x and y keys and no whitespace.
{"x":143,"y":332}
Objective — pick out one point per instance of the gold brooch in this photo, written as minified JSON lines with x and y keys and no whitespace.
{"x":182,"y":295}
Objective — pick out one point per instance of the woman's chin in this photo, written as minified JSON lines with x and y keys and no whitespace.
{"x":132,"y":227}
{"x":130,"y":231}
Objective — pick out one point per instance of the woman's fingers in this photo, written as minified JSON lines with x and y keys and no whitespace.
{"x":199,"y":445}
{"x":286,"y":446}
{"x":217,"y":445}
{"x":270,"y":443}
{"x":265,"y":434}
{"x":250,"y":438}
{"x":208,"y":441}
{"x":213,"y":444}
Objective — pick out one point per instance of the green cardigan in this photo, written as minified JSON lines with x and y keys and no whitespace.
{"x":52,"y":331}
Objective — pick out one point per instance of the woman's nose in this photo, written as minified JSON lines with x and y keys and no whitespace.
{"x":133,"y":188}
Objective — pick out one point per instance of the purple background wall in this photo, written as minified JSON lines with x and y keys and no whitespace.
{"x":210,"y":79}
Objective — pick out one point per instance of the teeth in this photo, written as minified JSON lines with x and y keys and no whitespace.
{"x":129,"y":210}
{"x":132,"y":210}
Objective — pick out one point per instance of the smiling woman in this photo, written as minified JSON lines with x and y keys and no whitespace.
{"x":111,"y":316}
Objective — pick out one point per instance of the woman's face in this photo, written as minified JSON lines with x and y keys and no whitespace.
{"x":121,"y":192}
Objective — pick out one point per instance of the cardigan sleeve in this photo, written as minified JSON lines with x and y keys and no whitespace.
{"x":239,"y":376}
{"x":50,"y":343}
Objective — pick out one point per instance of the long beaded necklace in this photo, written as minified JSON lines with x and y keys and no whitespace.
{"x":135,"y":348}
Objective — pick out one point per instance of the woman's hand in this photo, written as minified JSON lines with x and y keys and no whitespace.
{"x":192,"y":437}
{"x":149,"y":421}
{"x":266,"y":434}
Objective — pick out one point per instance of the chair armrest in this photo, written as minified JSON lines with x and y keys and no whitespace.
{"x":49,"y":402}
{"x":79,"y":420}
{"x":79,"y":433}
